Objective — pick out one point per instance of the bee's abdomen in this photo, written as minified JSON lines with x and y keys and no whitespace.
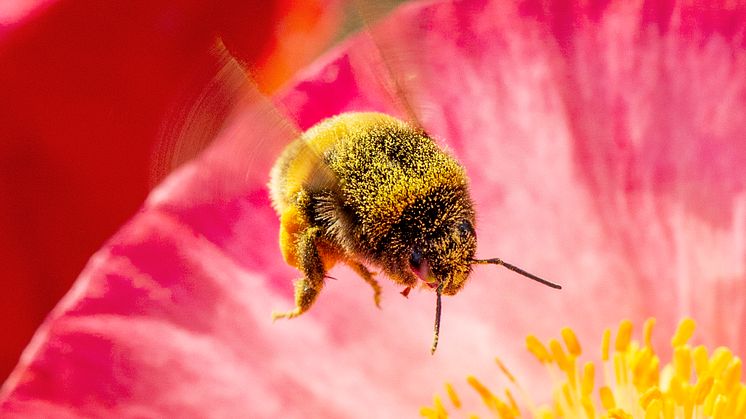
{"x":281,"y":189}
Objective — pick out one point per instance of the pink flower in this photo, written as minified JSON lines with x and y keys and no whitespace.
{"x":605,"y":147}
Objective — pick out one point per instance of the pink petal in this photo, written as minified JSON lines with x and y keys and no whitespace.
{"x":605,"y":149}
{"x":88,"y":90}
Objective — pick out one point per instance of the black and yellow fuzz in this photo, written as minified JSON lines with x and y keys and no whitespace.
{"x":367,"y":189}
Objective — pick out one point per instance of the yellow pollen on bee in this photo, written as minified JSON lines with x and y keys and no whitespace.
{"x":631,"y":381}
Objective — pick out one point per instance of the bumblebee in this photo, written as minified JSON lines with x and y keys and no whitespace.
{"x":367,"y":189}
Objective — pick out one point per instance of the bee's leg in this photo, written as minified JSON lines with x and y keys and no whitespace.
{"x":367,"y":276}
{"x":308,"y":287}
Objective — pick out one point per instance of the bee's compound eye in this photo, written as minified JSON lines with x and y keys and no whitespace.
{"x":415,"y":259}
{"x":465,"y":229}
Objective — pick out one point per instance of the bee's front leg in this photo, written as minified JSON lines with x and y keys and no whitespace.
{"x":310,"y":263}
{"x":367,"y":276}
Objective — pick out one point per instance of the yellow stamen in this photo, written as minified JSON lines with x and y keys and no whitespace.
{"x":435,"y":412}
{"x":504,"y":370}
{"x":650,"y":395}
{"x":455,"y":401}
{"x":558,"y":354}
{"x":607,"y":398}
{"x":669,"y":408}
{"x":648,"y":332}
{"x":605,"y":343}
{"x":571,"y":370}
{"x":440,"y":410}
{"x":624,"y":335}
{"x":484,"y":392}
{"x":701,"y":360}
{"x":702,"y":389}
{"x":589,"y":374}
{"x":588,"y":408}
{"x":620,"y":368}
{"x":571,"y":341}
{"x":678,"y":391}
{"x":567,"y":393}
{"x":428,"y":413}
{"x":688,"y":400}
{"x":544,"y":413}
{"x":654,"y":409}
{"x":683,"y":333}
{"x":538,"y":349}
{"x":719,"y":360}
{"x":513,"y":405}
{"x":503,"y":410}
{"x":732,"y":375}
{"x":636,"y":384}
{"x":709,"y":404}
{"x":642,"y":364}
{"x":618,"y":413}
{"x":719,"y":411}
{"x":682,"y":362}
{"x":739,"y":408}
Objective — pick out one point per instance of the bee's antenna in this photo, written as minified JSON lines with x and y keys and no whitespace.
{"x":496,"y":261}
{"x":438,"y":291}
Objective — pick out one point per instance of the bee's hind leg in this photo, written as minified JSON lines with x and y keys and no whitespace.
{"x":310,"y":263}
{"x":367,"y":276}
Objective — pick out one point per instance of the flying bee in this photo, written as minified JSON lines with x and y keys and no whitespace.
{"x":367,"y":189}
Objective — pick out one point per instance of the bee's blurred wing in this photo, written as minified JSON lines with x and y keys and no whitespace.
{"x":199,"y":114}
{"x":231,"y":109}
{"x":394,"y":65}
{"x":229,"y":122}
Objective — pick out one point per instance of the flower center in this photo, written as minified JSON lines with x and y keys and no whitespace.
{"x":694,"y":384}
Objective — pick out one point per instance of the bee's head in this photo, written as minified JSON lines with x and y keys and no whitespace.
{"x":434,"y":240}
{"x":444,"y":257}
